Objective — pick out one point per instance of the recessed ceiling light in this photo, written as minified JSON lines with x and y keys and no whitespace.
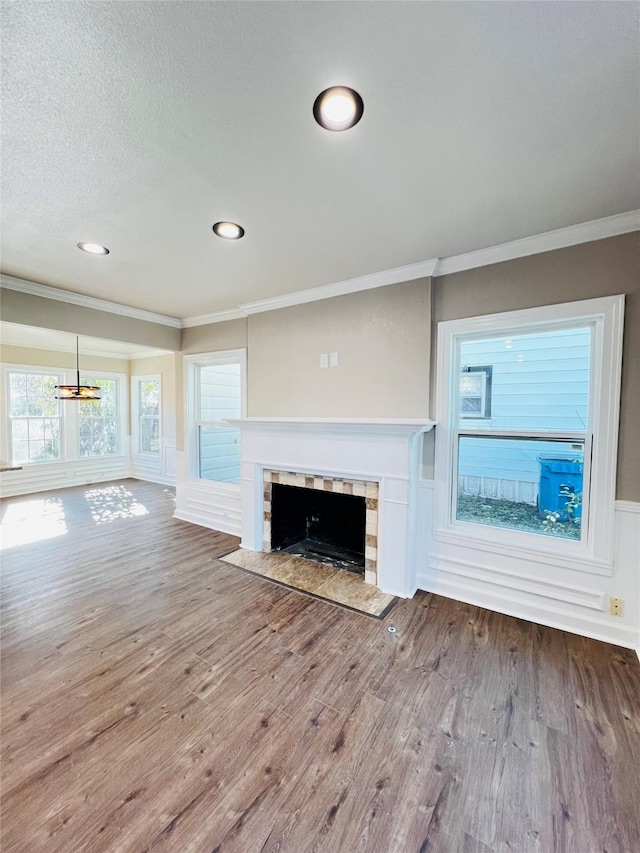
{"x":93,"y":248}
{"x":228,"y":230}
{"x":338,"y":108}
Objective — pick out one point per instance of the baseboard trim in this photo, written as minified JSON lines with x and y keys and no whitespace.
{"x":161,"y":479}
{"x":220,"y":525}
{"x":552,"y":617}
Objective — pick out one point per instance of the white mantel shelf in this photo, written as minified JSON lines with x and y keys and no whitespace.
{"x":385,"y":451}
{"x":362,"y":426}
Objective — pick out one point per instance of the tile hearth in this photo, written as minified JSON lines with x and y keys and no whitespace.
{"x":317,"y":579}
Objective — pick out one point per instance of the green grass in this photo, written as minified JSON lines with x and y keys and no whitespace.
{"x":516,"y":516}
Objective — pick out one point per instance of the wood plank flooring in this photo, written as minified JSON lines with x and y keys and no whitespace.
{"x":156,"y":699}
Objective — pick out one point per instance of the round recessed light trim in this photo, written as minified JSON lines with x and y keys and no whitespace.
{"x":228,"y":230}
{"x":338,"y":108}
{"x":93,"y":248}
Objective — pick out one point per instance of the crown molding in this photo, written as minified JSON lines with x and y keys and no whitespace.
{"x":88,"y":350}
{"x":216,"y":317}
{"x":410,"y":272}
{"x":585,"y":232}
{"x":423,"y":269}
{"x":45,"y":291}
{"x":562,"y":238}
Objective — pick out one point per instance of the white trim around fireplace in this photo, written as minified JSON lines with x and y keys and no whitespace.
{"x":386,"y":452}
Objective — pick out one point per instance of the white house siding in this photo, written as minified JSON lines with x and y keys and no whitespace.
{"x":539,"y":382}
{"x":220,"y":398}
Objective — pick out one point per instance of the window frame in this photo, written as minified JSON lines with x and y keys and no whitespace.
{"x":487,"y":372}
{"x":120,"y":393}
{"x":192,"y":363}
{"x":7,"y":440}
{"x":136,"y":382}
{"x":594,"y":551}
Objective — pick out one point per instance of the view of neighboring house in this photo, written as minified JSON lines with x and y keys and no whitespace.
{"x":525,"y":384}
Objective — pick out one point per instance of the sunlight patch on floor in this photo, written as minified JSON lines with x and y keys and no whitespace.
{"x":111,"y":503}
{"x":31,"y":521}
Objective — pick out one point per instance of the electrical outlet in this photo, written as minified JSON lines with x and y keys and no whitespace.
{"x":333,"y":359}
{"x":616,"y":606}
{"x":324,"y":359}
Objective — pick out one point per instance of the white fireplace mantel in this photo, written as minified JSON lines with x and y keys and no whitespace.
{"x":350,"y":426}
{"x":386,"y":451}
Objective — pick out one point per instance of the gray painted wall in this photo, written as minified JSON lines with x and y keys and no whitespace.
{"x":382,"y":340}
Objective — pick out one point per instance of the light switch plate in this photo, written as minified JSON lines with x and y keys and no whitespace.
{"x":324,"y":359}
{"x":333,"y":359}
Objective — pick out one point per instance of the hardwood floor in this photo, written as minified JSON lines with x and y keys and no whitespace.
{"x":156,"y":699}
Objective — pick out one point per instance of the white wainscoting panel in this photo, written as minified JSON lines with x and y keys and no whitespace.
{"x":217,"y":506}
{"x":553,"y":594}
{"x":156,"y":469}
{"x":60,"y":475}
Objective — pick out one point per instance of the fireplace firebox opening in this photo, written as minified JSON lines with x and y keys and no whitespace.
{"x":325,"y":526}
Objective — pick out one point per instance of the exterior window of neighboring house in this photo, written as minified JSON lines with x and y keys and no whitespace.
{"x":147,"y":414}
{"x":98,"y":419}
{"x":526,"y":448}
{"x":217,"y":392}
{"x":34,"y":416}
{"x":475,"y":391}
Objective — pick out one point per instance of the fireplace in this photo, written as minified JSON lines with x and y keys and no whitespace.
{"x":325,"y":526}
{"x":377,"y":460}
{"x":327,"y":519}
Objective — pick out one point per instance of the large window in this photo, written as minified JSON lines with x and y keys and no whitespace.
{"x":527,"y":414}
{"x":34,"y":416}
{"x":98,"y":419}
{"x":146,"y":413}
{"x":217,"y":393}
{"x":41,"y":428}
{"x":536,"y":431}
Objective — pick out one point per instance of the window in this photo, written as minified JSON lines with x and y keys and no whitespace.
{"x":34,"y":417}
{"x":98,"y":419}
{"x":146,"y":392}
{"x":217,"y":392}
{"x":526,"y":447}
{"x":475,"y":391}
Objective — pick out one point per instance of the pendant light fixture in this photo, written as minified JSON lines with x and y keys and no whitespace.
{"x":78,"y":392}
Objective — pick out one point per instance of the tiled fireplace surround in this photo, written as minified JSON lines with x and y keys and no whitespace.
{"x":366,"y":489}
{"x":378,"y":459}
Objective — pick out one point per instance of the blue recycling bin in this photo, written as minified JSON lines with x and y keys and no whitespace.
{"x":554,"y":475}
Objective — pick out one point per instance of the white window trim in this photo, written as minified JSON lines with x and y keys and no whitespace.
{"x":6,"y":437}
{"x":69,"y":426}
{"x":121,"y":416}
{"x":191,"y":422}
{"x":136,"y":381}
{"x":595,"y":552}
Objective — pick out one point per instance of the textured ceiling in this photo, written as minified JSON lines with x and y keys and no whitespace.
{"x":140,"y":124}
